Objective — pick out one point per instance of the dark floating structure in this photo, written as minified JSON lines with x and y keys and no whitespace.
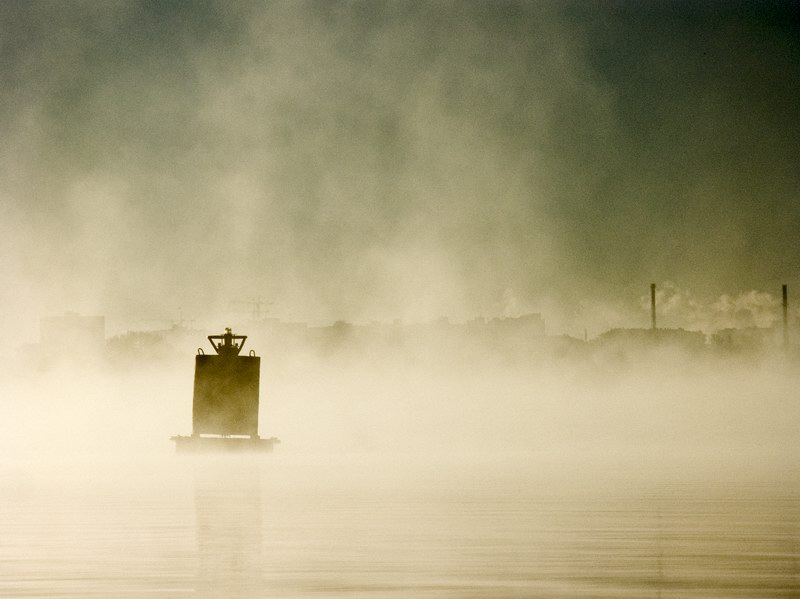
{"x":225,"y":403}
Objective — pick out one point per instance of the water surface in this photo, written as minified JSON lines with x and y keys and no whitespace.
{"x":397,"y":526}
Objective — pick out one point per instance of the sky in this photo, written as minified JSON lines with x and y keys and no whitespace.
{"x":382,"y":160}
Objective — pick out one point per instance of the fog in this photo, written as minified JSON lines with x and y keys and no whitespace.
{"x":434,"y":393}
{"x":383,"y":196}
{"x":381,"y":160}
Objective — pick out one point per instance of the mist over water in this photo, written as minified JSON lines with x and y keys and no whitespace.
{"x":407,"y":473}
{"x":385,"y":195}
{"x":428,"y":394}
{"x":388,"y":160}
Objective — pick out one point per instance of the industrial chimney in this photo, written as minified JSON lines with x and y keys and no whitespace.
{"x":785,"y":316}
{"x":653,"y":306}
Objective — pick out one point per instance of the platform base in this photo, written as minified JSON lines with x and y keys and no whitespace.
{"x":198,"y":444}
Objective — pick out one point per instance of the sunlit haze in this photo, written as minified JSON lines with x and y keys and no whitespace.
{"x":518,"y":280}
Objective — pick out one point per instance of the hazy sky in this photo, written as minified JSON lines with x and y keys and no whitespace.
{"x":405,"y":159}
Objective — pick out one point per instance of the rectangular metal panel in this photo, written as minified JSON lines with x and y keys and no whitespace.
{"x":226,"y":395}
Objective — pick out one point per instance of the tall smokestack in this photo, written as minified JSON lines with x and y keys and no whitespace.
{"x":653,"y":305}
{"x":785,"y":316}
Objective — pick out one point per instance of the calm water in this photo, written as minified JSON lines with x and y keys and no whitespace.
{"x":396,"y":526}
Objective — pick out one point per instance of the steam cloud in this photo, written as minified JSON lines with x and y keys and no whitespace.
{"x":681,"y":307}
{"x":395,"y":160}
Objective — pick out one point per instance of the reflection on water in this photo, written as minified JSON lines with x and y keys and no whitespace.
{"x":384,"y":527}
{"x":227,"y":502}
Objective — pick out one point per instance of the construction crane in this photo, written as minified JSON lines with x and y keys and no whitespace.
{"x":257,"y":305}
